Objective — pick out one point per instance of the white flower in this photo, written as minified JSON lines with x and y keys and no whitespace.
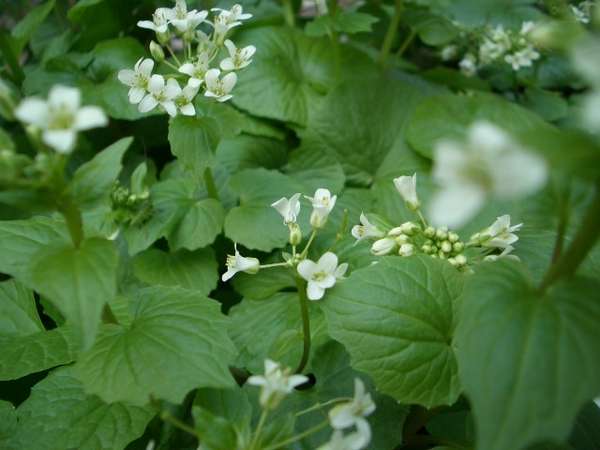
{"x":184,"y":100}
{"x":197,"y":70}
{"x":289,"y":209}
{"x":321,"y":275}
{"x":356,"y":440}
{"x":137,"y":79}
{"x":275,"y":384}
{"x":488,"y":163}
{"x":366,"y":229}
{"x":448,"y":52}
{"x":500,"y":233}
{"x":228,"y":19}
{"x":161,"y":93}
{"x":580,"y":15}
{"x":238,"y":263}
{"x":383,"y":246}
{"x":60,"y":117}
{"x":468,"y":65}
{"x":496,"y":44}
{"x":505,"y":254}
{"x":348,"y":414}
{"x":407,"y":187}
{"x":219,"y":88}
{"x":322,"y":203}
{"x":522,"y":58}
{"x":184,"y":20}
{"x":160,"y":20}
{"x":238,"y":57}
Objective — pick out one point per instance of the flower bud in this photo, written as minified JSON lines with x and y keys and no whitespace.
{"x":409,"y":228}
{"x":458,"y":247}
{"x":407,"y":188}
{"x":453,"y":237}
{"x":442,"y":255}
{"x":426,"y":248}
{"x":441,"y":233}
{"x":163,"y":38}
{"x":429,"y":232}
{"x":461,"y":260}
{"x":383,"y":246}
{"x":446,"y":247}
{"x":295,"y":233}
{"x":157,"y":52}
{"x":406,"y":250}
{"x":402,"y":239}
{"x":397,"y":231}
{"x":453,"y":262}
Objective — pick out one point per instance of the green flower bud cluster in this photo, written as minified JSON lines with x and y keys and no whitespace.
{"x":444,"y":244}
{"x":129,"y":208}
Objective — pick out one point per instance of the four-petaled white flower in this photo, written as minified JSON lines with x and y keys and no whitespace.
{"x":219,"y":88}
{"x":407,"y":187}
{"x":228,"y":19}
{"x":353,"y":413}
{"x":321,"y":275}
{"x":500,"y":233}
{"x":289,"y":209}
{"x":385,"y":246}
{"x":522,"y":58}
{"x":184,"y":100}
{"x":137,"y":79}
{"x":322,"y":203}
{"x":366,"y":229}
{"x":184,"y":20}
{"x":275,"y":384}
{"x":60,"y":117}
{"x":238,"y":263}
{"x":238,"y":57}
{"x":160,"y":20}
{"x":161,"y":93}
{"x":489,"y":163}
{"x":196,"y":70}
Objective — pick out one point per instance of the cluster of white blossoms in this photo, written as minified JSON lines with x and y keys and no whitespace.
{"x":177,"y":28}
{"x":58,"y":119}
{"x":278,"y":382}
{"x":412,"y":238}
{"x":319,"y":275}
{"x":497,"y":44}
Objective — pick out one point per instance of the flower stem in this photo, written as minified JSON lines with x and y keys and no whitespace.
{"x":390,"y":35}
{"x":323,"y":405}
{"x":168,"y":417}
{"x":267,"y":266}
{"x":584,"y":241}
{"x":72,"y":216}
{"x":296,"y":438}
{"x":411,"y":37}
{"x":259,"y":428}
{"x":175,"y":58}
{"x":211,"y":186}
{"x":288,"y":13}
{"x":11,"y":59}
{"x":308,"y":244}
{"x":301,"y":284}
{"x":422,"y":218}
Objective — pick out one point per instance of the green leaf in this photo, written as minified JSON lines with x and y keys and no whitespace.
{"x":396,"y":319}
{"x":8,"y":422}
{"x":176,"y":342}
{"x":18,"y":313}
{"x":265,"y":283}
{"x":200,"y":225}
{"x":508,"y":335}
{"x":289,"y":74}
{"x":194,"y":142}
{"x":78,"y":281}
{"x":22,"y":32}
{"x":92,"y":181}
{"x":195,"y":271}
{"x":349,"y":22}
{"x":249,"y":152}
{"x":23,"y":355}
{"x":550,"y":105}
{"x":60,"y":415}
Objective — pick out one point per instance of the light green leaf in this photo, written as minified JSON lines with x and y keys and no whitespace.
{"x":349,"y":22}
{"x":18,"y":313}
{"x":176,"y":342}
{"x":196,"y":270}
{"x":200,"y":225}
{"x":396,"y":319}
{"x":78,"y":281}
{"x":249,"y":152}
{"x":22,"y":32}
{"x":509,"y":335}
{"x":60,"y":415}
{"x":265,"y":283}
{"x":23,"y":355}
{"x":194,"y":142}
{"x":92,"y":181}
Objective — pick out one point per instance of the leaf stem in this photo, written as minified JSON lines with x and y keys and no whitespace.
{"x":563,"y":221}
{"x":406,"y":43}
{"x":390,"y":35}
{"x":318,"y":406}
{"x":308,"y":244}
{"x":11,"y":59}
{"x":288,"y":13}
{"x":301,"y":285}
{"x":168,"y":417}
{"x":175,"y":58}
{"x":298,"y":436}
{"x":422,"y":218}
{"x":72,"y":216}
{"x":584,"y":241}
{"x":259,"y":428}
{"x":280,"y":264}
{"x":211,"y":186}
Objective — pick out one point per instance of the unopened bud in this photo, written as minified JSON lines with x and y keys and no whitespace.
{"x":442,"y":255}
{"x":453,"y":237}
{"x":426,"y":248}
{"x":295,"y":234}
{"x":409,"y":228}
{"x":461,"y":260}
{"x":458,"y":247}
{"x":446,"y":247}
{"x":402,"y":239}
{"x":406,"y":250}
{"x":441,"y":233}
{"x":383,"y":246}
{"x":429,"y":232}
{"x":157,"y":52}
{"x":453,"y":262}
{"x":163,"y":38}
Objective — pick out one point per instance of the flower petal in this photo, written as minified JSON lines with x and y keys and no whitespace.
{"x":306,"y":269}
{"x":136,"y":95}
{"x":148,"y":103}
{"x":62,"y":141}
{"x":455,"y":205}
{"x":227,"y":64}
{"x":64,"y":97}
{"x":146,"y":66}
{"x":156,"y":83}
{"x":90,"y":117}
{"x":314,"y":291}
{"x":328,"y":262}
{"x":126,"y":76}
{"x":229,"y":81}
{"x":34,"y":111}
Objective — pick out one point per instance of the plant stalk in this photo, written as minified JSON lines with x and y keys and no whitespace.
{"x":72,"y":216}
{"x":390,"y":35}
{"x":288,"y":13}
{"x":301,"y":284}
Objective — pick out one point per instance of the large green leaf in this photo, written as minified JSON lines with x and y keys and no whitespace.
{"x":288,"y":75}
{"x":194,"y":141}
{"x":18,"y":313}
{"x":8,"y":422}
{"x":60,"y":415}
{"x":202,"y":222}
{"x":508,"y":336}
{"x":176,"y":342}
{"x":396,"y":319}
{"x":78,"y":281}
{"x":22,"y":32}
{"x":190,"y":270}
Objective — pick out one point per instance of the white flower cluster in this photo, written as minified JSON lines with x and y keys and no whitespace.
{"x":582,"y":12}
{"x":59,"y":118}
{"x":179,"y":26}
{"x":411,"y":238}
{"x":498,"y":44}
{"x":319,"y":275}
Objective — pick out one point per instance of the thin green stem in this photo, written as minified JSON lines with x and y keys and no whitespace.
{"x":301,"y":285}
{"x":267,"y":266}
{"x":211,"y":186}
{"x":318,"y":406}
{"x":390,"y":35}
{"x":409,"y":39}
{"x":298,"y":437}
{"x":259,"y":428}
{"x":308,"y":244}
{"x":563,"y":221}
{"x":171,"y":65}
{"x":288,"y":13}
{"x":168,"y":417}
{"x":422,"y":218}
{"x":11,"y":58}
{"x":172,"y":53}
{"x":584,"y":241}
